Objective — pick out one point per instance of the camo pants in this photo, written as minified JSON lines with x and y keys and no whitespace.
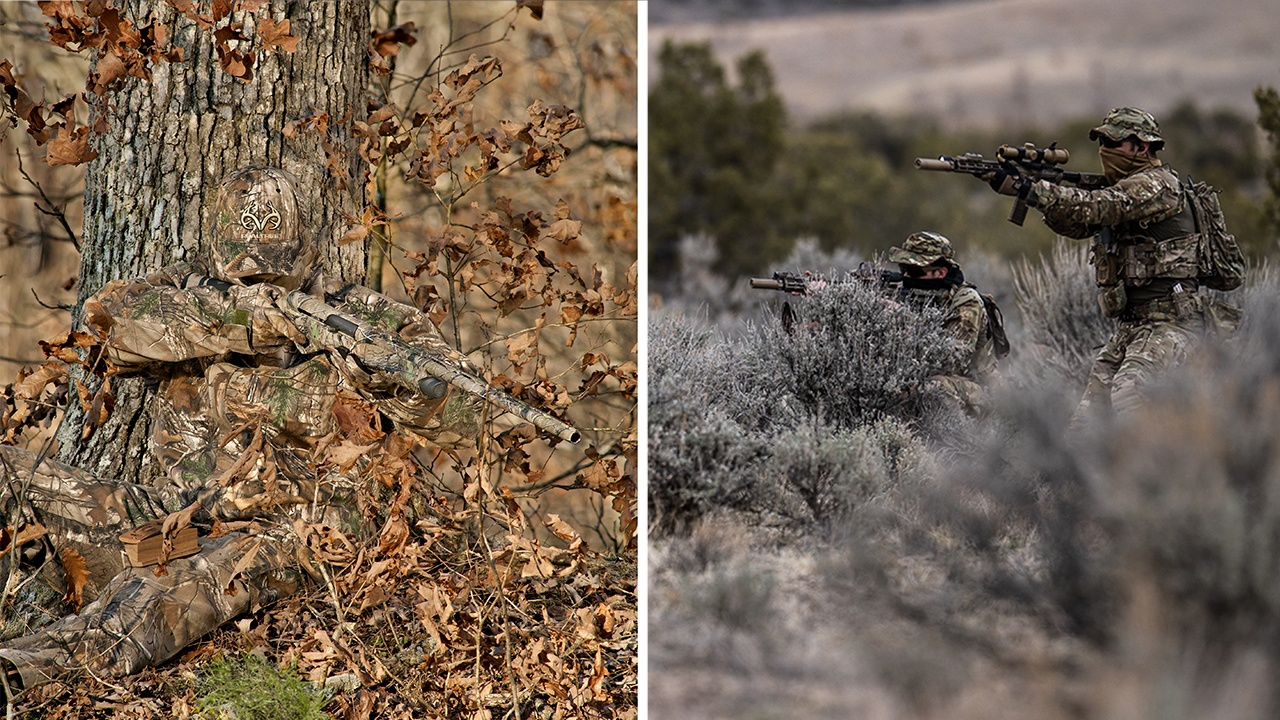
{"x":1137,"y":353}
{"x":959,"y":393}
{"x":136,"y":619}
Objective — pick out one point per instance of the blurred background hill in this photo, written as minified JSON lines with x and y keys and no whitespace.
{"x":992,"y":62}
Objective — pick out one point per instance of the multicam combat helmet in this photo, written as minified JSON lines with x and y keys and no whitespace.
{"x":922,"y":249}
{"x":258,"y":233}
{"x":1123,"y":122}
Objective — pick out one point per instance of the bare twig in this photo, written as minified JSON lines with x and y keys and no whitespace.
{"x":43,"y":304}
{"x":53,"y":210}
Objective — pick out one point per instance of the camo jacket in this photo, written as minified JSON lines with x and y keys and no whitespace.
{"x":1156,"y":254}
{"x":965,"y":319}
{"x":228,"y":370}
{"x":1148,"y":196}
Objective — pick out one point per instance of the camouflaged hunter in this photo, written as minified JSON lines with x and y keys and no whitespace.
{"x":1149,"y":254}
{"x":931,"y":275}
{"x":235,"y":374}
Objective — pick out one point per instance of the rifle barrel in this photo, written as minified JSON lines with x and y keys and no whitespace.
{"x":766,"y":284}
{"x":326,"y":314}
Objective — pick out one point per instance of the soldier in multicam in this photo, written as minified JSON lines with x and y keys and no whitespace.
{"x":931,"y":274}
{"x":1145,"y":254}
{"x":235,"y":374}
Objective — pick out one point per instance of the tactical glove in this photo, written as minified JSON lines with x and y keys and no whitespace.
{"x":1008,"y":181}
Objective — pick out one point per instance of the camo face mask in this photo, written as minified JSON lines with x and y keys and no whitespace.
{"x":1117,"y":164}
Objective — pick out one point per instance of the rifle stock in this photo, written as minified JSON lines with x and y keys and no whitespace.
{"x":412,"y":367}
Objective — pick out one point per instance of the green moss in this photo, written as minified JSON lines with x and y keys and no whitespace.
{"x":250,"y":688}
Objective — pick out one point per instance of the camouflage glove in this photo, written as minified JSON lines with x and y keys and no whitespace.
{"x":257,"y":307}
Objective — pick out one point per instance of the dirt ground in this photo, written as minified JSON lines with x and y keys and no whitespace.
{"x":1010,"y":61}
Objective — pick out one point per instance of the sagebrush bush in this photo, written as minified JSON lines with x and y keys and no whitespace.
{"x":1142,"y":551}
{"x":1062,"y":327}
{"x":1196,"y":479}
{"x":790,"y":425}
{"x":827,"y":472}
{"x":699,"y":455}
{"x":1184,"y":495}
{"x":854,"y":355}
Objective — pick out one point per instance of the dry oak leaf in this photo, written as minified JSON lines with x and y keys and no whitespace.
{"x":564,"y":230}
{"x":388,"y":42}
{"x":534,"y":6}
{"x":77,"y":577}
{"x":386,"y":112}
{"x":241,"y":565}
{"x":565,"y":532}
{"x":26,"y":533}
{"x":221,"y":9}
{"x":110,"y":69}
{"x":97,"y":407}
{"x":30,"y":386}
{"x":276,"y":35}
{"x":70,"y":147}
{"x":236,"y":63}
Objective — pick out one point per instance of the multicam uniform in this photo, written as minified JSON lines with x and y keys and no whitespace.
{"x":965,"y":319}
{"x":1145,"y":254}
{"x":230,"y":367}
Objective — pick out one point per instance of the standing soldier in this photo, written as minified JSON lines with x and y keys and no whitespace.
{"x":930,"y":274}
{"x":246,"y":408}
{"x":1147,"y":254}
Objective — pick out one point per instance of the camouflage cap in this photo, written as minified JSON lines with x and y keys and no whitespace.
{"x":922,"y":249}
{"x":1120,"y":123}
{"x":258,"y":229}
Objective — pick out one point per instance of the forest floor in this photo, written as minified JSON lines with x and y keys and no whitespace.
{"x":446,"y":626}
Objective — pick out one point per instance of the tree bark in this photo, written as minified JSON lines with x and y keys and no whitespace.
{"x":149,"y":195}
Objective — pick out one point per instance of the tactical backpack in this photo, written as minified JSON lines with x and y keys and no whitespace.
{"x":1221,"y":262}
{"x":995,"y":323}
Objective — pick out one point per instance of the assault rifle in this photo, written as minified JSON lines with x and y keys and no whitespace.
{"x":1028,"y":161}
{"x":413,"y":367}
{"x":798,"y":283}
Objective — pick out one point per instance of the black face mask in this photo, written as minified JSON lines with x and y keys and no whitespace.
{"x":912,"y":278}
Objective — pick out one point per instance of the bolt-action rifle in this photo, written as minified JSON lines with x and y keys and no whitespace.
{"x":1027,"y":161}
{"x":411,"y":366}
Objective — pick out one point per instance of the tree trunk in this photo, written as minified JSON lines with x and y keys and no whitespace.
{"x":149,"y":195}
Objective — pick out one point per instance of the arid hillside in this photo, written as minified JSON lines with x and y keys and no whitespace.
{"x":1010,"y":61}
